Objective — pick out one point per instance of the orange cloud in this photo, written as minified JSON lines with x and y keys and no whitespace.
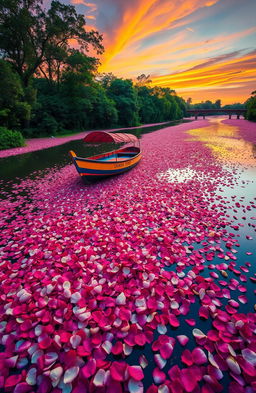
{"x":224,"y":70}
{"x":149,"y":17}
{"x":185,"y":63}
{"x":231,"y":79}
{"x":170,"y":40}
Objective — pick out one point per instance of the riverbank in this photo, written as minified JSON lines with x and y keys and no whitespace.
{"x":45,"y":143}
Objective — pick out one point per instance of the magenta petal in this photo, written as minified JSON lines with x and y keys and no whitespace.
{"x":183,"y":340}
{"x":158,"y":376}
{"x":174,"y":373}
{"x":22,"y":388}
{"x":198,"y":356}
{"x":113,"y":387}
{"x":235,"y":387}
{"x":89,"y":369}
{"x":204,"y":312}
{"x":186,"y":357}
{"x":159,"y":361}
{"x":166,"y":350}
{"x":117,"y":371}
{"x":140,"y":339}
{"x":190,"y":322}
{"x":136,"y":372}
{"x":12,"y":380}
{"x":188,"y":379}
{"x":173,"y":321}
{"x":233,"y":365}
{"x":243,"y":299}
{"x":117,"y":348}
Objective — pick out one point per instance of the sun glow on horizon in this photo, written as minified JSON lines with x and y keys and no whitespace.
{"x":193,"y":46}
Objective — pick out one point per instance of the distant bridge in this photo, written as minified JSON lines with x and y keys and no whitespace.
{"x":205,"y":112}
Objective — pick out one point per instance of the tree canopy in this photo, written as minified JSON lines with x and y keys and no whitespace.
{"x":14,"y":111}
{"x":251,"y":107}
{"x":33,"y":39}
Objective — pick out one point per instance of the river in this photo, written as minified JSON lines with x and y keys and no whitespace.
{"x":141,"y":283}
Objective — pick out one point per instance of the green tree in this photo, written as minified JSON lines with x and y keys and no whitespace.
{"x":14,"y":112}
{"x":122,"y":92}
{"x":77,"y":90}
{"x":251,"y":107}
{"x":170,"y":106}
{"x":104,"y":114}
{"x":217,"y":104}
{"x":159,"y":104}
{"x":33,"y":39}
{"x":237,"y":105}
{"x":189,"y":103}
{"x":147,"y":108}
{"x":182,"y":106}
{"x":105,"y":79}
{"x":49,"y":111}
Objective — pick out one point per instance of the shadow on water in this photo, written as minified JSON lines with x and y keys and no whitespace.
{"x":23,"y":165}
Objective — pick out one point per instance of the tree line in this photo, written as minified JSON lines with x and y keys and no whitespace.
{"x":49,"y":86}
{"x":213,"y":105}
{"x":249,"y":105}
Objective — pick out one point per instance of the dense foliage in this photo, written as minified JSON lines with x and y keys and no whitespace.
{"x":48,"y":86}
{"x":9,"y":138}
{"x":251,"y":107}
{"x":35,"y":40}
{"x":14,"y":110}
{"x":204,"y":104}
{"x":213,"y":105}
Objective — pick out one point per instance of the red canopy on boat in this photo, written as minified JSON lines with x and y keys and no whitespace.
{"x":102,"y":136}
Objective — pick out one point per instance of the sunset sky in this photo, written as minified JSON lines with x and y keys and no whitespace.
{"x":204,"y":49}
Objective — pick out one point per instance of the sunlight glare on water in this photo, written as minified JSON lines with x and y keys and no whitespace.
{"x":178,"y":175}
{"x":225,"y":142}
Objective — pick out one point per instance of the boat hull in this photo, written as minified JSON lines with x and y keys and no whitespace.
{"x":107,"y":164}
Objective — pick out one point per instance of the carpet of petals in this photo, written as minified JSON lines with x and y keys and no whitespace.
{"x":98,"y":282}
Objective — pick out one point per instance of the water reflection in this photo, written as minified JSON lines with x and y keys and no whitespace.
{"x":39,"y":162}
{"x":226,"y":143}
{"x":237,"y":158}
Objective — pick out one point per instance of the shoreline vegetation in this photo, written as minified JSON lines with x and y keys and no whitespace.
{"x":35,"y":144}
{"x":49,"y":87}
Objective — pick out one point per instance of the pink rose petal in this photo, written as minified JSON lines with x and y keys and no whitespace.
{"x":136,"y":372}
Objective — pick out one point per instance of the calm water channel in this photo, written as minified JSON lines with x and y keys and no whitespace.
{"x":237,"y":156}
{"x":234,"y":154}
{"x":22,"y":165}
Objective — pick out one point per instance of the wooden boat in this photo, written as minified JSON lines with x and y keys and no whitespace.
{"x":110,"y":163}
